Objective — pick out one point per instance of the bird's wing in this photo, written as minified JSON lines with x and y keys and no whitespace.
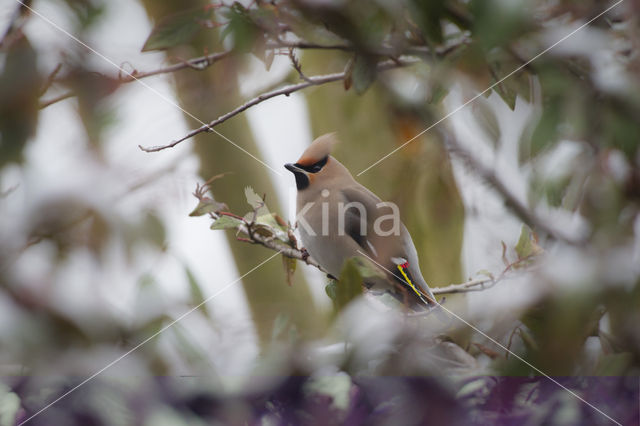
{"x":355,"y":222}
{"x":396,"y":253}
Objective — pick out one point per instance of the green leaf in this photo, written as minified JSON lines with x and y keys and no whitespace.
{"x":498,"y":22}
{"x":546,"y":131}
{"x":207,"y":205}
{"x":428,"y":14}
{"x":177,"y":29}
{"x":349,"y":285}
{"x":242,"y":28}
{"x":289,"y":264}
{"x":364,"y":73}
{"x":226,"y":222}
{"x":197,"y":297}
{"x":527,"y":246}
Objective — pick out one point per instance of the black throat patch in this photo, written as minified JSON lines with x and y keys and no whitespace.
{"x":302,"y":181}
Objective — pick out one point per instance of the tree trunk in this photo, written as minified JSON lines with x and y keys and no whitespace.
{"x":208,"y":94}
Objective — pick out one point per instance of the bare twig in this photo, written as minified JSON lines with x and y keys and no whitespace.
{"x":61,"y":97}
{"x":50,"y":79}
{"x":383,"y":50}
{"x":466,"y":287}
{"x":286,"y":90}
{"x":296,"y":64}
{"x":199,"y":64}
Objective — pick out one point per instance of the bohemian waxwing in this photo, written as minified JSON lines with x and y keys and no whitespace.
{"x":338,"y":219}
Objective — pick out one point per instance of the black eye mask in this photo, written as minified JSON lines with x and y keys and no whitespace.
{"x":315,"y":167}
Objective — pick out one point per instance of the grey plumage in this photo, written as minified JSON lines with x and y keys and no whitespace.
{"x":339,"y":219}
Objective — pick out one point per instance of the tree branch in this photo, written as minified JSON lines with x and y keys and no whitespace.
{"x":246,"y":232}
{"x":198,"y":64}
{"x":286,"y":90}
{"x":526,"y":214}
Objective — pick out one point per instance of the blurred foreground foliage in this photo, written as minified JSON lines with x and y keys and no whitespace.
{"x":580,"y":162}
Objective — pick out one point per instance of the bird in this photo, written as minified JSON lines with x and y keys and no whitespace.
{"x":338,"y":218}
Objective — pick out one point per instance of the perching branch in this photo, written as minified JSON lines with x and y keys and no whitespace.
{"x":251,"y":231}
{"x":286,"y":90}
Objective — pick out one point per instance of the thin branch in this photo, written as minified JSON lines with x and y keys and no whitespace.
{"x":286,"y":90}
{"x":295,"y":62}
{"x":199,"y":64}
{"x":383,"y":50}
{"x":526,"y":214}
{"x":62,"y":97}
{"x":50,"y":79}
{"x":466,"y":287}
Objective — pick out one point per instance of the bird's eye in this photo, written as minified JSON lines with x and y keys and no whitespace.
{"x":315,"y":168}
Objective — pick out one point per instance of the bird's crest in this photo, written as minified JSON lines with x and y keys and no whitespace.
{"x":319,"y":149}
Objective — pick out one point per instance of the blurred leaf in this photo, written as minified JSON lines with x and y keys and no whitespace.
{"x":614,"y":364}
{"x":497,"y":22}
{"x":472,"y":61}
{"x":193,"y":354}
{"x":178,"y":29}
{"x":427,"y":14}
{"x":512,"y":85}
{"x":348,"y":286}
{"x":20,"y":86}
{"x":9,"y":406}
{"x":486,"y":118}
{"x":527,"y":245}
{"x":153,"y":229}
{"x":226,"y":222}
{"x":92,"y":89}
{"x":197,"y":298}
{"x":305,"y":29}
{"x":98,"y":234}
{"x":242,"y":28}
{"x":364,"y":73}
{"x":280,"y":324}
{"x":87,"y":12}
{"x":208,"y":205}
{"x":546,"y":131}
{"x":289,"y":264}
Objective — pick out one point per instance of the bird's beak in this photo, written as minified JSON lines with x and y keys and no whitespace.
{"x":294,"y":169}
